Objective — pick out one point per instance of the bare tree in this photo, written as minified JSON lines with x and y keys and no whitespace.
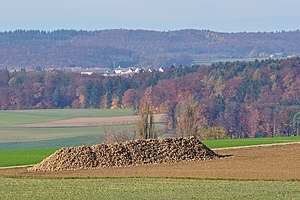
{"x":187,"y":117}
{"x":145,"y":126}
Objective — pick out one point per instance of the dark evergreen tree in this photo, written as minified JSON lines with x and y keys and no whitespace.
{"x":88,"y":94}
{"x":95,"y":95}
{"x":57,"y":98}
{"x":109,"y":93}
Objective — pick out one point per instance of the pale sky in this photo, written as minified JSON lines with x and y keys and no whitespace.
{"x":215,"y":15}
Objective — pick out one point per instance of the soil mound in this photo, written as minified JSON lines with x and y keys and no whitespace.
{"x":137,"y":152}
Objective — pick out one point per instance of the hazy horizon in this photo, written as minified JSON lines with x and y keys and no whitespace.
{"x":163,"y":15}
{"x":72,"y":29}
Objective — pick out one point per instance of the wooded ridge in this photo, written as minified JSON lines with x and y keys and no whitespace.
{"x":105,"y":48}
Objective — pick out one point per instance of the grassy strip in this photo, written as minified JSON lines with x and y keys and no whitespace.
{"x":248,"y":142}
{"x":23,"y":157}
{"x":146,"y":189}
{"x":145,"y":177}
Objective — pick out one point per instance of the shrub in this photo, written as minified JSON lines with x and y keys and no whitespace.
{"x":213,"y":133}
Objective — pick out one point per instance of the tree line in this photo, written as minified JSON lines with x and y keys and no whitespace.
{"x":247,"y":99}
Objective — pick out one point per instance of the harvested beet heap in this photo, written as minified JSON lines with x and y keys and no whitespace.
{"x":137,"y":152}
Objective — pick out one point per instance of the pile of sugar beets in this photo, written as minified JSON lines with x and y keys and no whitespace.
{"x":130,"y":153}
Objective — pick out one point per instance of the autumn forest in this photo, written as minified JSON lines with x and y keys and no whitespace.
{"x":248,"y":99}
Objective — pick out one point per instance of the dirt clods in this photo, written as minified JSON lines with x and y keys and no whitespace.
{"x":131,"y":153}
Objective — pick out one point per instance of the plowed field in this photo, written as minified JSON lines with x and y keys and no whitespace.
{"x":91,"y":121}
{"x":279,"y":162}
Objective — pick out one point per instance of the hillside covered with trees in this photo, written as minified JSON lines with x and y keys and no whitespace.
{"x":248,"y":99}
{"x":104,"y":48}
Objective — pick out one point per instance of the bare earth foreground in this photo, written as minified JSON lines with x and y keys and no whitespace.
{"x":260,"y":163}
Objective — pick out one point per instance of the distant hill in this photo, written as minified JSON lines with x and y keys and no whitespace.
{"x":137,"y":47}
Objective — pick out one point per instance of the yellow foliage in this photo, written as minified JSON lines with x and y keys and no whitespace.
{"x":114,"y":104}
{"x":213,"y":133}
{"x":273,"y":78}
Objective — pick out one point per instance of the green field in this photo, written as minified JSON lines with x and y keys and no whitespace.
{"x":249,"y":141}
{"x":14,"y":117}
{"x":23,"y":157}
{"x":22,"y":134}
{"x":17,"y":138}
{"x":135,"y":188}
{"x":13,"y":137}
{"x":29,"y":145}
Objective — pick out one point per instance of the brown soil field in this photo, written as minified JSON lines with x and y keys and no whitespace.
{"x":92,"y":121}
{"x":258,"y":163}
